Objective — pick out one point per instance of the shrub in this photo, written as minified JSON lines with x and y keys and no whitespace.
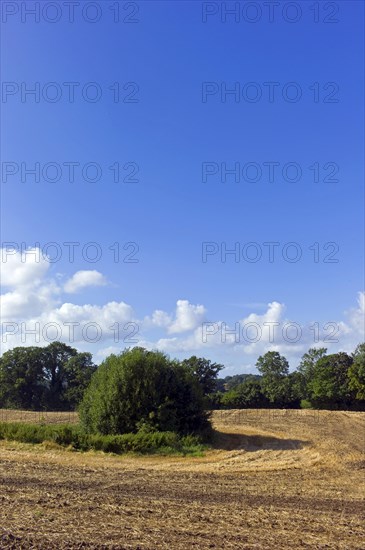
{"x":143,"y":388}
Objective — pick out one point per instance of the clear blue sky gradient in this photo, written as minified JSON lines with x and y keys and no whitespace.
{"x":170,"y":132}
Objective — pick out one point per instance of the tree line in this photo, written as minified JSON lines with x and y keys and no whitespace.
{"x":161,"y":391}
{"x":321,"y":381}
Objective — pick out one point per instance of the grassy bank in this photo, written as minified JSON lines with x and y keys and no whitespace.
{"x":71,"y":436}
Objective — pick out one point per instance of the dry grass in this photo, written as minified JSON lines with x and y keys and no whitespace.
{"x":276,"y":480}
{"x":38,"y":417}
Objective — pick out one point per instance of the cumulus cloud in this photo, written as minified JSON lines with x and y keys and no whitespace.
{"x":34,"y":313}
{"x":22,"y":268}
{"x":187,"y":317}
{"x":106,"y":314}
{"x":24,"y":273}
{"x":161,"y":318}
{"x":256,"y":334}
{"x":24,"y":302}
{"x":83,"y":279}
{"x":74,"y":324}
{"x":206,"y":335}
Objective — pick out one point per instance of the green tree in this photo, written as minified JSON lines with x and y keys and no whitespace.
{"x":214,"y":400}
{"x":53,"y":377}
{"x":231,"y":382}
{"x":248,"y":394}
{"x":329,"y":384}
{"x":295,"y":390}
{"x":140,"y":386}
{"x":22,"y":383}
{"x":307,"y":365}
{"x":356,"y":373}
{"x":220,"y":385}
{"x":205,"y":371}
{"x":77,"y":374}
{"x":57,"y":354}
{"x":274,"y":369}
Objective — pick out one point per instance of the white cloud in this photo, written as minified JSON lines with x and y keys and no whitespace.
{"x":74,"y":324}
{"x":24,"y":273}
{"x":187,"y":317}
{"x":26,"y":268}
{"x":105,"y":314}
{"x":175,"y":344}
{"x":33,"y":302}
{"x":256,"y":334}
{"x":161,"y":318}
{"x":83,"y":279}
{"x":25,"y":302}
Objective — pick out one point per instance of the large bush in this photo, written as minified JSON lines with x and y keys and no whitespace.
{"x":140,"y":387}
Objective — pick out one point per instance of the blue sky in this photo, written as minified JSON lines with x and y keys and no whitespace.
{"x":168,"y":55}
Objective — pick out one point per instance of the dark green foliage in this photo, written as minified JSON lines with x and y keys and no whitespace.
{"x":214,"y":400}
{"x":143,"y":386}
{"x":308,"y":362}
{"x":328,"y":386}
{"x":356,"y":374}
{"x":22,"y":381}
{"x":336,"y":381}
{"x":220,"y":385}
{"x":295,"y":390}
{"x":56,"y":355}
{"x":230,"y":382}
{"x":146,"y":389}
{"x":272,"y":364}
{"x":246,"y":395}
{"x":275,"y":384}
{"x":77,"y":375}
{"x":205,"y":371}
{"x":72,"y":436}
{"x":49,"y":378}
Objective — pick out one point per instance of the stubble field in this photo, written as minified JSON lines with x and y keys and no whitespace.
{"x":275,"y":480}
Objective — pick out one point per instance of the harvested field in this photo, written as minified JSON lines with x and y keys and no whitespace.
{"x":275,"y":480}
{"x":38,"y":417}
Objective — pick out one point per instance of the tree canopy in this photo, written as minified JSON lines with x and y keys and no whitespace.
{"x":53,"y":377}
{"x":328,"y":386}
{"x":356,"y":373}
{"x":205,"y":371}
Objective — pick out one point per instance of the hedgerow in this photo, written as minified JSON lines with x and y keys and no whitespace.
{"x":75,"y":438}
